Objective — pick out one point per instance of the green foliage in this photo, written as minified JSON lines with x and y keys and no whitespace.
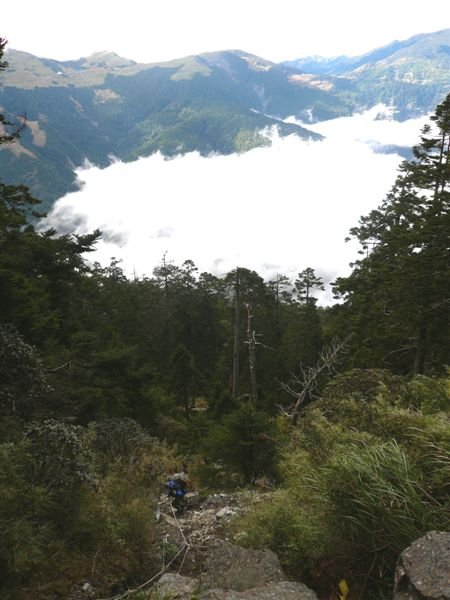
{"x":63,"y":518}
{"x":302,"y":338}
{"x":122,"y":444}
{"x":55,"y":448}
{"x":379,"y":495}
{"x":402,"y":284}
{"x":363,"y":477}
{"x":428,"y":394}
{"x":307,"y":281}
{"x":22,"y":376}
{"x":221,"y":403}
{"x":42,"y":478}
{"x":247,"y":140}
{"x":245,"y":441}
{"x":185,"y":380}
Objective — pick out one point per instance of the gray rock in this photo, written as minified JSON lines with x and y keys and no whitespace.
{"x":225,"y":512}
{"x":176,"y":586}
{"x":423,"y":569}
{"x":220,"y":500}
{"x":285,"y":590}
{"x":234,"y":568}
{"x":192,"y":499}
{"x":87,"y":588}
{"x":234,"y":573}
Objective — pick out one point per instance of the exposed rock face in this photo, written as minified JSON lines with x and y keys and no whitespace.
{"x":176,"y":586}
{"x":286,"y":590}
{"x":235,"y":568}
{"x":423,"y":569}
{"x":185,"y":588}
{"x":234,"y":573}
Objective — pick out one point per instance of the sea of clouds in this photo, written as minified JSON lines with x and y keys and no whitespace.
{"x":275,"y":210}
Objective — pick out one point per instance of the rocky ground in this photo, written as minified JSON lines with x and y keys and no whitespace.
{"x":199,"y":560}
{"x":202,"y":523}
{"x":208,"y":566}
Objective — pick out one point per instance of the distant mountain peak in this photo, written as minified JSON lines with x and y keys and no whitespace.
{"x":107,"y":58}
{"x":420,"y":45}
{"x":251,"y":59}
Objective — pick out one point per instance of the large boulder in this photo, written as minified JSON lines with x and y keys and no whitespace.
{"x":176,"y":586}
{"x":423,"y":569}
{"x":230,"y":572}
{"x":235,"y":568}
{"x":284,"y":590}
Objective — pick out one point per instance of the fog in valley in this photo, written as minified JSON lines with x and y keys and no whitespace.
{"x":275,"y":210}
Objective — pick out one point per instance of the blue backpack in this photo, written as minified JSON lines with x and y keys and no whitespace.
{"x":176,"y":487}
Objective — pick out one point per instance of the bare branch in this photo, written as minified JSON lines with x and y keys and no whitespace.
{"x":304,"y":385}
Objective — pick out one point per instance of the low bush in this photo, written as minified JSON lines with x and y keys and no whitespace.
{"x":76,"y":504}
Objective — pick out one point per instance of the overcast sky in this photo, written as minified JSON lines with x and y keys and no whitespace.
{"x":149,"y":31}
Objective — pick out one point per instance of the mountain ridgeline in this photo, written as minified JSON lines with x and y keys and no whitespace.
{"x":107,"y":106}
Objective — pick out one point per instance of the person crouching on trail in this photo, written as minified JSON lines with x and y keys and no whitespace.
{"x":176,"y":489}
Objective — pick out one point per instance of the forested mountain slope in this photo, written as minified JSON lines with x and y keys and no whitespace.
{"x":105,"y":106}
{"x":413,"y":75}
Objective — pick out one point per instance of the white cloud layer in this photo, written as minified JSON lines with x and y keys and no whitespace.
{"x":275,"y":210}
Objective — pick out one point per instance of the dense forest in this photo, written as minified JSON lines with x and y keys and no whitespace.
{"x":109,"y":383}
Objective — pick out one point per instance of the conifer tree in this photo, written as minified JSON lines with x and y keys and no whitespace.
{"x":184,"y":378}
{"x":398,"y":296}
{"x":307,"y":281}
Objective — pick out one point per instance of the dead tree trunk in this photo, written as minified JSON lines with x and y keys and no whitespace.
{"x":303,"y":386}
{"x":235,"y":388}
{"x":251,"y":341}
{"x":421,"y":348}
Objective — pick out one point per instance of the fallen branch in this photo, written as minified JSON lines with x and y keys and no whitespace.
{"x":303,"y":386}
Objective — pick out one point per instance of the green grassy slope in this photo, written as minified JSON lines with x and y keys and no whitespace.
{"x":104,"y":105}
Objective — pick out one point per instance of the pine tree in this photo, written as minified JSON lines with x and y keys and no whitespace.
{"x":398,"y":296}
{"x":185,"y":380}
{"x":307,"y":281}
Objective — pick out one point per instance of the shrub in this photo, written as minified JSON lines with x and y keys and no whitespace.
{"x":42,"y":479}
{"x":428,"y":394}
{"x":245,"y":442}
{"x":123,"y":443}
{"x":77,"y":504}
{"x":22,"y":375}
{"x":365,"y":385}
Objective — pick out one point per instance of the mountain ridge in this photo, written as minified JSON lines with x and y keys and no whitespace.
{"x":106,"y":105}
{"x":213,"y":103}
{"x":340,"y":64}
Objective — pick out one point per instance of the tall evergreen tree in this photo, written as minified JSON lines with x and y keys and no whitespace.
{"x":307,"y":281}
{"x":398,"y":296}
{"x":185,"y":380}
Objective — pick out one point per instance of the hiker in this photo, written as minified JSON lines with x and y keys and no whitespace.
{"x":177,"y":489}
